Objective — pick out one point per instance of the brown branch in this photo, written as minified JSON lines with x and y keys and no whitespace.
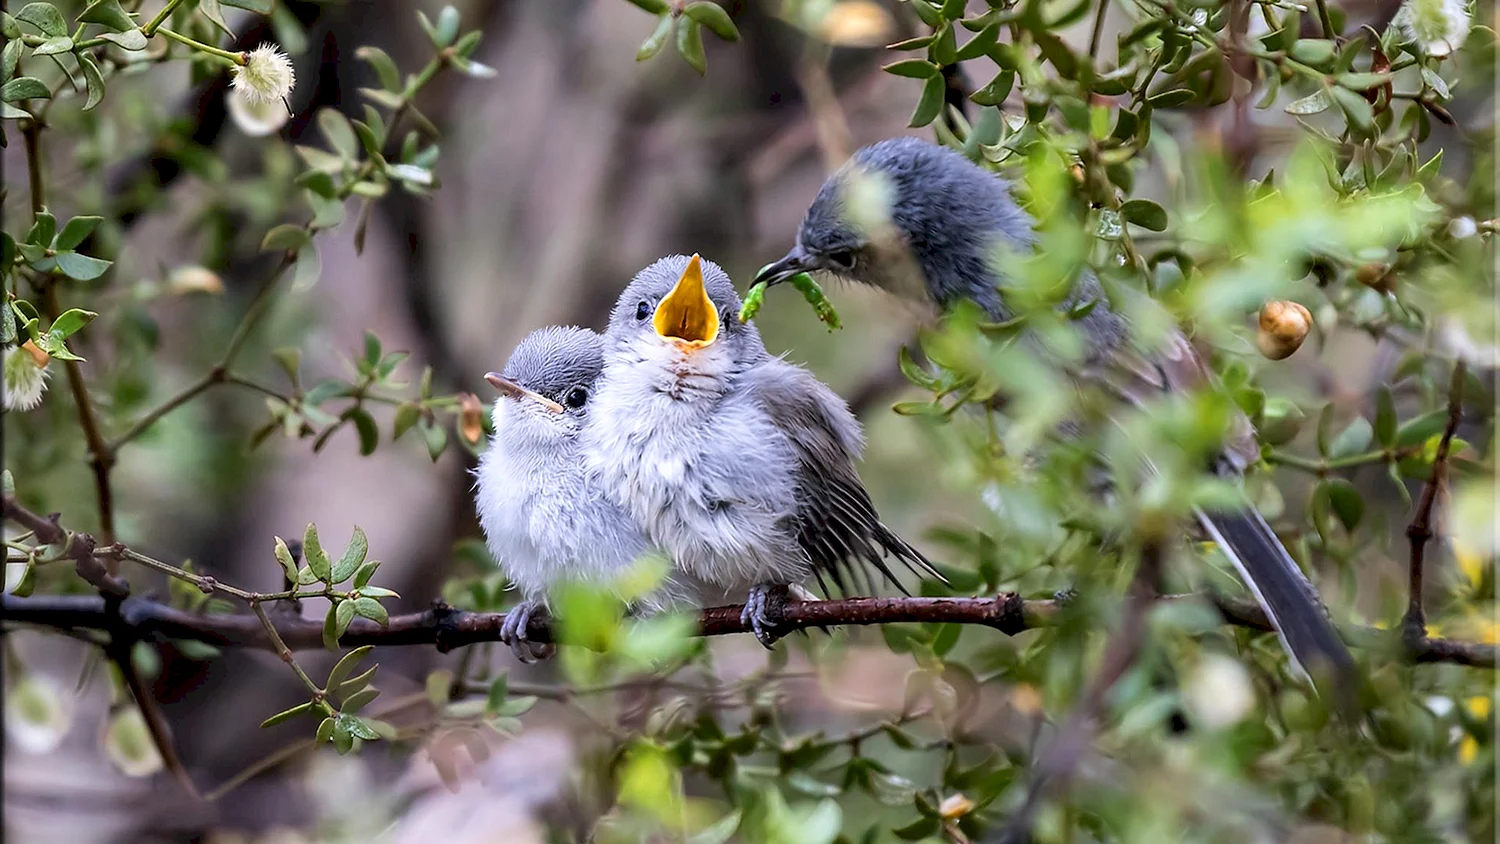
{"x":448,"y":628}
{"x":1419,"y":532}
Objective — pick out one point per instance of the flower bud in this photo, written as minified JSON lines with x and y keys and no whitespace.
{"x":25,"y":376}
{"x":1283,"y":327}
{"x":470,"y":424}
{"x":1374,"y":275}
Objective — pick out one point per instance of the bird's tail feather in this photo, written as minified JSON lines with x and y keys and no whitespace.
{"x":1284,"y":592}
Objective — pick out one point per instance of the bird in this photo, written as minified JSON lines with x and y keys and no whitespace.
{"x":944,"y":219}
{"x":546,"y":519}
{"x":739,"y":465}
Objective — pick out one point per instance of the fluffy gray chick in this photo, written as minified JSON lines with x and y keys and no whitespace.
{"x":740,"y":466}
{"x":545,"y":519}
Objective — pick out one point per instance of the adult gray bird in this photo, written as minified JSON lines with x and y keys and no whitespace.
{"x":739,"y":465}
{"x":545,"y":519}
{"x":945,"y":218}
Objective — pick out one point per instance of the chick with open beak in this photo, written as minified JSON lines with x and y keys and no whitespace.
{"x":544,"y":518}
{"x":737,"y":464}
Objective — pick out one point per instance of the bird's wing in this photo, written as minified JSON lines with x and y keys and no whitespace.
{"x":837,"y":523}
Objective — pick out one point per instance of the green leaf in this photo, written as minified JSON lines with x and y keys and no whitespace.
{"x":713,"y":16}
{"x":23,"y":88}
{"x":1352,"y":440}
{"x":285,"y":237}
{"x":1313,"y":51}
{"x":10,"y":57}
{"x":9,"y":26}
{"x":378,"y":591}
{"x":364,"y":425}
{"x":407,"y":415}
{"x":357,"y":726}
{"x":1437,"y":83}
{"x":80,"y":267}
{"x":718,"y":832}
{"x":655,"y":7}
{"x":284,"y":557}
{"x":1356,"y":108}
{"x":260,"y":7}
{"x":656,"y":40}
{"x":369,"y":608}
{"x":133,"y":39}
{"x":363,"y":574}
{"x":1314,"y":103}
{"x":913,"y":69}
{"x":45,"y":17}
{"x":1422,"y":428}
{"x":690,"y":45}
{"x":354,"y":684}
{"x":447,"y":26}
{"x":437,"y":439}
{"x":316,"y":557}
{"x":944,"y":48}
{"x":1363,"y":81}
{"x":43,"y":230}
{"x":75,"y":231}
{"x":342,"y":613}
{"x":1385,"y":417}
{"x":1170,"y":99}
{"x":306,"y":577}
{"x":346,"y":664}
{"x":1345,"y":501}
{"x":496,"y":697}
{"x":354,"y":556}
{"x":931,"y":103}
{"x":359,"y":700}
{"x":69,"y":321}
{"x":339,"y":134}
{"x":1146,"y":214}
{"x":385,"y":68}
{"x":996,"y":91}
{"x":287,"y":715}
{"x":54,"y":45}
{"x":93,"y":79}
{"x":215,"y":14}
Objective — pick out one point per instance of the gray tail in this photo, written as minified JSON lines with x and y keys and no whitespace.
{"x":1289,"y":599}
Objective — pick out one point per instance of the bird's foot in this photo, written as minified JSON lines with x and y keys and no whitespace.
{"x":764,"y":611}
{"x":1063,"y":596}
{"x":513,"y":633}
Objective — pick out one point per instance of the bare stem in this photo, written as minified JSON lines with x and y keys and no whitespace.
{"x":1419,"y":532}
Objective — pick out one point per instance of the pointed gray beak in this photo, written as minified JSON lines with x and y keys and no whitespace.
{"x":795,"y":261}
{"x":511,"y":389}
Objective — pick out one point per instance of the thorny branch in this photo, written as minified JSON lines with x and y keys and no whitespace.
{"x":1414,"y":626}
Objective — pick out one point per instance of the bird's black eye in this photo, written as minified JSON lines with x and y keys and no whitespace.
{"x":642,"y":310}
{"x":842,"y":259}
{"x":576,"y":397}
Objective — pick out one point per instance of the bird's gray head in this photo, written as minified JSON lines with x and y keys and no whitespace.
{"x":681,"y":313}
{"x":547,"y":384}
{"x":905,"y":214}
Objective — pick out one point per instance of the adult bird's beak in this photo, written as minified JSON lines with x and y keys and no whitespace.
{"x":511,"y":389}
{"x":687,"y":316}
{"x":795,"y":261}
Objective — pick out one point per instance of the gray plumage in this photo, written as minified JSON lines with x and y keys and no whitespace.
{"x":938,"y":237}
{"x":737,"y":463}
{"x":544,"y":518}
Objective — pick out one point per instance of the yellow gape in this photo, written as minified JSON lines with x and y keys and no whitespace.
{"x":687,"y":316}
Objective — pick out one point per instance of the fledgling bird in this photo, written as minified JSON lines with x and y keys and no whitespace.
{"x":946,"y":217}
{"x":545,"y":519}
{"x":739,"y":465}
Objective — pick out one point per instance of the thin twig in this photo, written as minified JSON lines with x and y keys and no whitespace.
{"x":1419,"y":532}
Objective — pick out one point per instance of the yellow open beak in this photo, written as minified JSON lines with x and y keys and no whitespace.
{"x":513,"y":390}
{"x":687,"y":316}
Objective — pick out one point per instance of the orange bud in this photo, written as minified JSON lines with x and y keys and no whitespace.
{"x":1374,"y":275}
{"x":37,"y":354}
{"x":470,"y":418}
{"x":1283,"y":327}
{"x":955,"y":806}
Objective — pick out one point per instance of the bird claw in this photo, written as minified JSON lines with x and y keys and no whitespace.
{"x":513,"y":633}
{"x":765,"y":609}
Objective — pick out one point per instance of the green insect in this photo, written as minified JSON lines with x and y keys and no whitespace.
{"x":810,"y":291}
